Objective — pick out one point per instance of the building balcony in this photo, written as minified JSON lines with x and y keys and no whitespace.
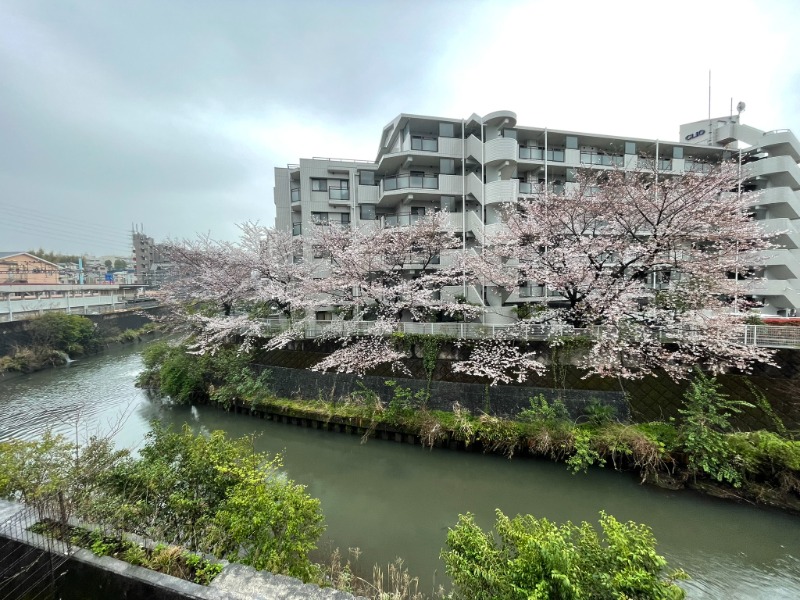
{"x":368,"y":194}
{"x":502,"y":191}
{"x":538,"y":154}
{"x":787,"y":261}
{"x":778,"y":292}
{"x":649,"y":164}
{"x":781,"y":171}
{"x":782,"y":202}
{"x":501,"y":149}
{"x":601,"y":159}
{"x":695,"y":166}
{"x":450,"y":146}
{"x":784,"y":230}
{"x":403,"y":182}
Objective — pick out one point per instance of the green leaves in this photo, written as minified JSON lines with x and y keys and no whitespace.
{"x":528,"y":558}
{"x":706,"y":417}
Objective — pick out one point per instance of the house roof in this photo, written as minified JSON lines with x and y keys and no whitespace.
{"x":10,"y":254}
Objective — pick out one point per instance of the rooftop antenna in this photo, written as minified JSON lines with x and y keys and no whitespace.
{"x":710,"y":134}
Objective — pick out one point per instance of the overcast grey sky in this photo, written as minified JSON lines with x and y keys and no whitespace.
{"x":173,"y":113}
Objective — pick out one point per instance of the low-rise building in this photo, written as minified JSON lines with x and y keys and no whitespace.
{"x":24,"y":268}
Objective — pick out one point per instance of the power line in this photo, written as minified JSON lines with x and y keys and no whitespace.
{"x":22,"y":213}
{"x":71,"y":238}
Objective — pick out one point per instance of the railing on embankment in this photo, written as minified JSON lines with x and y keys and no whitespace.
{"x":765,"y":336}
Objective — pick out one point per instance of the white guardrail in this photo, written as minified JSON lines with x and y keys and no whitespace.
{"x":765,"y":336}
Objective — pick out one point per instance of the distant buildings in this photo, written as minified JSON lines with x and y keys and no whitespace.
{"x":150,"y":264}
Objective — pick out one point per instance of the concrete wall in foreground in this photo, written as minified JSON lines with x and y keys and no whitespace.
{"x":85,"y":576}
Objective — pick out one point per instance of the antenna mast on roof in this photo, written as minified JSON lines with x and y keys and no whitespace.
{"x":710,"y":134}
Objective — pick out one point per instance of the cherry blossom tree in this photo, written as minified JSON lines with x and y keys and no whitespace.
{"x":375,"y":276}
{"x":645,"y":262}
{"x":215,"y":285}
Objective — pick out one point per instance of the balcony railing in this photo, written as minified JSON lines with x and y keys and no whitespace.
{"x":338,"y":193}
{"x":296,"y":195}
{"x":400,"y":182}
{"x":664,"y":164}
{"x":538,"y":188}
{"x":553,"y":155}
{"x":402,"y":220}
{"x":297,"y":229}
{"x":604,"y":160}
{"x":692,"y":166}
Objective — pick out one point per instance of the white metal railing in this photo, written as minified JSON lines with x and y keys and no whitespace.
{"x":765,"y":336}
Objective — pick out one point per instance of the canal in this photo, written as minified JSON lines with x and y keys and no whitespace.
{"x":393,"y":500}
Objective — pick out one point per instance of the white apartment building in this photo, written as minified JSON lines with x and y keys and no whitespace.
{"x":470,"y":167}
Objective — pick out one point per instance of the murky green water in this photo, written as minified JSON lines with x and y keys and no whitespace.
{"x":393,"y":500}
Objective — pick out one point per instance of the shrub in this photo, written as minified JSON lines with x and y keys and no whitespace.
{"x":73,"y":334}
{"x":527,"y":558}
{"x":706,"y":417}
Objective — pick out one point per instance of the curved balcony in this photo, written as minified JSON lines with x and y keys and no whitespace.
{"x":781,"y":141}
{"x":784,"y":230}
{"x":786,"y":260}
{"x":405,"y":182}
{"x":501,"y":149}
{"x":779,"y":291}
{"x":781,"y":171}
{"x":502,"y":191}
{"x":781,"y":201}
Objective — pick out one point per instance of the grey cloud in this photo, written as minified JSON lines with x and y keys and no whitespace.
{"x":101,"y":99}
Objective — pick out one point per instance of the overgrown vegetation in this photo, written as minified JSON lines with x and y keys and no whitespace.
{"x":73,"y":334}
{"x":528,"y":558}
{"x":209,"y":493}
{"x":56,"y":336}
{"x":699,"y":449}
{"x":167,"y":559}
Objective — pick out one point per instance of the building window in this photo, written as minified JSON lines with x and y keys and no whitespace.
{"x":428,"y":144}
{"x":509,"y":133}
{"x":296,"y":195}
{"x":448,"y":203}
{"x":319,"y":185}
{"x":677,"y":152}
{"x":447,"y":130}
{"x":572,"y":142}
{"x":366,"y":177}
{"x":297,"y":229}
{"x":345,"y":219}
{"x":447,"y":166}
{"x":630,"y":148}
{"x":367,"y":212}
{"x":319,"y":218}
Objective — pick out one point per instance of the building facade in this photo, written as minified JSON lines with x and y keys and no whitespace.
{"x":150,"y":266}
{"x":22,"y":268}
{"x":471,"y":167}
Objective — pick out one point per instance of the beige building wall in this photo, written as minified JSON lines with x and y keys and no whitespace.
{"x":25,"y":268}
